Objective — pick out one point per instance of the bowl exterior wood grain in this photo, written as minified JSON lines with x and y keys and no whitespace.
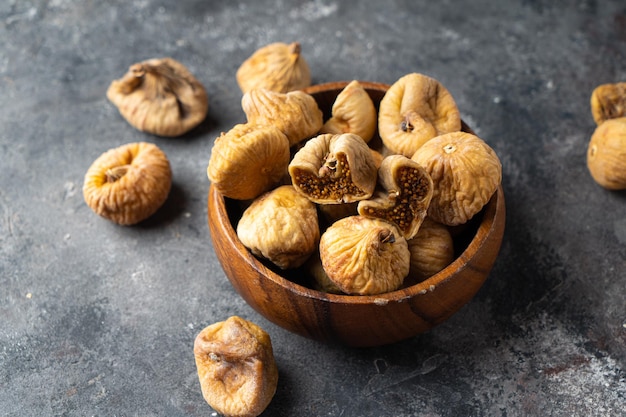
{"x":357,"y":321}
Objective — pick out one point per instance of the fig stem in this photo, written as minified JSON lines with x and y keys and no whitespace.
{"x":115,"y":173}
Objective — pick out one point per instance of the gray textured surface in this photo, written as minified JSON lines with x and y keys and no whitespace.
{"x":97,"y":319}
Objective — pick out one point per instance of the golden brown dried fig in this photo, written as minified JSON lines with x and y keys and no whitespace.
{"x":406,"y":191}
{"x":333,"y":169}
{"x":465,"y":171}
{"x":278,"y":67}
{"x":608,"y":101}
{"x":128,"y":184}
{"x":160,"y":96}
{"x":353,"y":112}
{"x":364,"y":255}
{"x":280,"y":226}
{"x":248,"y":160}
{"x":416,"y":108}
{"x":236,"y":367}
{"x":606,"y":154}
{"x":432,"y":249}
{"x":296,"y":113}
{"x":321,"y":282}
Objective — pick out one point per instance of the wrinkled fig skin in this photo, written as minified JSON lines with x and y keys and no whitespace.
{"x":280,"y":226}
{"x":432,"y":249}
{"x":278,"y":67}
{"x":296,"y":113}
{"x":248,"y":160}
{"x":608,"y":101}
{"x":465,"y":171}
{"x":606,"y":154}
{"x":406,"y":193}
{"x":364,"y":256}
{"x":415,"y":109}
{"x":333,"y":169}
{"x":160,"y":96}
{"x":128,"y":184}
{"x":236,"y":367}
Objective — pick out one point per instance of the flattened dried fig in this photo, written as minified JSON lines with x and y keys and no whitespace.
{"x":278,"y":67}
{"x":236,"y":367}
{"x":296,"y":113}
{"x":416,"y":108}
{"x":333,"y":169}
{"x":608,"y":101}
{"x":160,"y":96}
{"x":465,"y":172}
{"x":432,"y":249}
{"x":248,"y":160}
{"x":128,"y":184}
{"x":281,"y":226}
{"x":405,"y":195}
{"x":353,"y":112}
{"x":606,"y":154}
{"x":364,"y":255}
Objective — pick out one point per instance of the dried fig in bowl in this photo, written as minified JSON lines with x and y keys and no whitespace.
{"x":160,"y":96}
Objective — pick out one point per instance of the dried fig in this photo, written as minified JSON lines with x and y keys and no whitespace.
{"x":432,"y":249}
{"x":364,"y":255}
{"x":248,"y":160}
{"x":160,"y":96}
{"x":416,"y":108}
{"x":280,"y":226}
{"x":465,"y":172}
{"x":353,"y":112}
{"x":406,"y":191}
{"x":333,"y":169}
{"x":236,"y":367}
{"x":608,"y":101}
{"x":128,"y":184}
{"x":321,"y":282}
{"x":296,"y":113}
{"x":606,"y":154}
{"x":278,"y":67}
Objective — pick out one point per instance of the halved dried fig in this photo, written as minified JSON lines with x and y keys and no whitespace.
{"x":278,"y":67}
{"x":415,"y":109}
{"x":465,"y":171}
{"x":608,"y":101}
{"x":280,"y":226}
{"x":364,"y":256}
{"x":406,"y":191}
{"x":295,"y":113}
{"x":248,"y":160}
{"x":353,"y":112}
{"x":128,"y":184}
{"x":432,"y":249}
{"x":236,"y":367}
{"x":333,"y":169}
{"x":160,"y":96}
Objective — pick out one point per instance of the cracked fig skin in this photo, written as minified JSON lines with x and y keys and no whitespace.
{"x":160,"y":96}
{"x":128,"y":184}
{"x":333,"y":169}
{"x":236,"y":367}
{"x":364,"y":256}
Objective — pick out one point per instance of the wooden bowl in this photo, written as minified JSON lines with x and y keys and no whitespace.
{"x":287,"y":299}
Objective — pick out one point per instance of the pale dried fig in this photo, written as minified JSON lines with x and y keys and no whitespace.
{"x":333,"y":169}
{"x":364,"y":256}
{"x":608,"y":101}
{"x":248,"y":160}
{"x":128,"y":184}
{"x":404,"y":195}
{"x":606,"y":154}
{"x":296,"y":113}
{"x":353,"y":112}
{"x":236,"y":367}
{"x":160,"y":96}
{"x":278,"y":67}
{"x":280,"y":226}
{"x":415,"y":109}
{"x":465,"y":171}
{"x":432,"y":249}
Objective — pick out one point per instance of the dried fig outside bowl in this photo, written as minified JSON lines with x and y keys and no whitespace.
{"x":288,"y":298}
